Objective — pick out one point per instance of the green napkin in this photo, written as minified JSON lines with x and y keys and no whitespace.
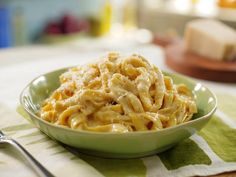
{"x":210,"y":151}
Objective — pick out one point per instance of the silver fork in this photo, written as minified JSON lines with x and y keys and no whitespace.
{"x":41,"y":171}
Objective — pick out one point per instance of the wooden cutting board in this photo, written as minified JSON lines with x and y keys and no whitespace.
{"x":198,"y":66}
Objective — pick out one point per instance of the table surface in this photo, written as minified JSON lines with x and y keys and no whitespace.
{"x":18,"y":66}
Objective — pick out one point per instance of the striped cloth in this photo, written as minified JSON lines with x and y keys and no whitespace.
{"x":210,"y":151}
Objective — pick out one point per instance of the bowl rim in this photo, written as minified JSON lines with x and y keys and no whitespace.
{"x":190,"y":80}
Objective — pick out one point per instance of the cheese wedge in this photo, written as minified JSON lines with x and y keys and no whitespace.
{"x":210,"y":38}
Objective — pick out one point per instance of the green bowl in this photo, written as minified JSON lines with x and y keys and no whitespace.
{"x":117,"y":145}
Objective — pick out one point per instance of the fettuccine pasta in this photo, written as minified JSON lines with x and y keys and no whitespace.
{"x":118,"y":94}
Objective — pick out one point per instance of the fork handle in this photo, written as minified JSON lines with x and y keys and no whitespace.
{"x":41,"y":171}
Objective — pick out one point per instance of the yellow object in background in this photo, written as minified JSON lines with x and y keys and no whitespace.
{"x":101,"y":24}
{"x":106,"y":17}
{"x":130,"y":15}
{"x":227,"y":3}
{"x":19,"y":28}
{"x":194,"y":1}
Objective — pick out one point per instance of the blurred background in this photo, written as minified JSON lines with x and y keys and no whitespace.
{"x":28,"y":22}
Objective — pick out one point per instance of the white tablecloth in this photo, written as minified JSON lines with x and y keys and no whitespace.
{"x":19,"y":66}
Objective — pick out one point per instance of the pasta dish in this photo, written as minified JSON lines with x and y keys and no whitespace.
{"x":118,"y":94}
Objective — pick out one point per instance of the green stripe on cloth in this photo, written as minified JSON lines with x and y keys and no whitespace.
{"x":116,"y":167}
{"x":227,"y":104}
{"x":18,"y":127}
{"x":36,"y":133}
{"x":221,"y":138}
{"x":112,"y":167}
{"x":185,"y":153}
{"x":42,"y":140}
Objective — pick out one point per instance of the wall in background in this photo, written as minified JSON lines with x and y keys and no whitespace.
{"x":170,"y":17}
{"x":28,"y":17}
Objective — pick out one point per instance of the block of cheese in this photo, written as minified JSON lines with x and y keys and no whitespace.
{"x":210,"y":38}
